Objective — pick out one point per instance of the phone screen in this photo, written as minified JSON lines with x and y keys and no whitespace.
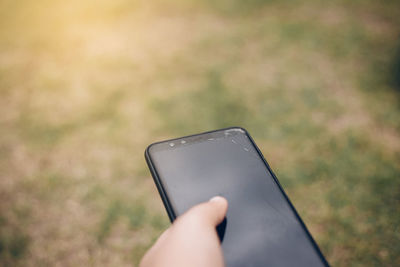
{"x":261,"y":228}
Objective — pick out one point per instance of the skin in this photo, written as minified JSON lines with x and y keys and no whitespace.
{"x":192,"y":240}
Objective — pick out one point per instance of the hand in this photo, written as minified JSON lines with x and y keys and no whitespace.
{"x":192,"y":239}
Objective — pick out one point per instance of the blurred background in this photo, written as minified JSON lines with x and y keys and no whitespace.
{"x":85,"y":86}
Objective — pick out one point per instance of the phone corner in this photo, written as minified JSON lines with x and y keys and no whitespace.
{"x":147,"y":151}
{"x":238,"y":129}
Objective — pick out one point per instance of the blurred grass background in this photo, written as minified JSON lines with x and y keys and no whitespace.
{"x":85,"y":86}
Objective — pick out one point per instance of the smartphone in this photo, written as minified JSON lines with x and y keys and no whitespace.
{"x":261,"y":228}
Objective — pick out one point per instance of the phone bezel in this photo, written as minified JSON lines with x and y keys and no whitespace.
{"x":167,"y":203}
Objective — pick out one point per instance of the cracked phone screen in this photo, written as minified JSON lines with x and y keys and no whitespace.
{"x":261,"y":228}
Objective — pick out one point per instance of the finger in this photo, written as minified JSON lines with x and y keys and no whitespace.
{"x":148,"y":257}
{"x":212,"y":212}
{"x":163,"y":236}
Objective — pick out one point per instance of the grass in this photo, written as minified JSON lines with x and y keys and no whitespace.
{"x":85,"y":87}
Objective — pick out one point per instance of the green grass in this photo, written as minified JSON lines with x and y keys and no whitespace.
{"x":85,"y":87}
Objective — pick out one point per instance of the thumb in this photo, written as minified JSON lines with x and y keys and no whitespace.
{"x":211,"y":212}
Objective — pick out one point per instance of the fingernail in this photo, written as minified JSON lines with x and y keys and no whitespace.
{"x":216,"y":198}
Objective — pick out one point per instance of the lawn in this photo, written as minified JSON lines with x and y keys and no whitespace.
{"x":85,"y":86}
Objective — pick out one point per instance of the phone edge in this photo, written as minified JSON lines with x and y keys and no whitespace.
{"x":325,"y":262}
{"x":160,"y":188}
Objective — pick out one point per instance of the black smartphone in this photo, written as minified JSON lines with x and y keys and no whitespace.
{"x":261,"y":228}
